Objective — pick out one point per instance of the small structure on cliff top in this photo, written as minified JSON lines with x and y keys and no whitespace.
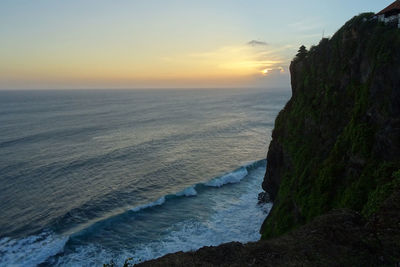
{"x":390,"y":13}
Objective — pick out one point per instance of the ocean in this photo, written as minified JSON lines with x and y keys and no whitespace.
{"x":90,"y":176}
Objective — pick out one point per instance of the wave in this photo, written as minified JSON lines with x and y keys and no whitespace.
{"x":187,"y":192}
{"x":186,"y":234}
{"x":51,"y":134}
{"x":158,"y":202}
{"x":38,"y":249}
{"x":236,"y":176}
{"x":32,"y":250}
{"x":229,"y":178}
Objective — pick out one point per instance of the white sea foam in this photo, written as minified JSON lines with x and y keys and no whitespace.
{"x":158,"y":202}
{"x":187,"y":192}
{"x":230,"y":178}
{"x":30,"y":251}
{"x":191,"y":234}
{"x":220,"y":228}
{"x":186,"y":235}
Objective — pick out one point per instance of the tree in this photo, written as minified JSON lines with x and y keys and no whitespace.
{"x":302,"y":52}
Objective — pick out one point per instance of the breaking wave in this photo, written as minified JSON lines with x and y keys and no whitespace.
{"x":47,"y":248}
{"x":229,"y":178}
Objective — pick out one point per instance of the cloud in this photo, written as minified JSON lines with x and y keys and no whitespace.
{"x":276,"y":77}
{"x":257,"y":43}
{"x":272,"y":71}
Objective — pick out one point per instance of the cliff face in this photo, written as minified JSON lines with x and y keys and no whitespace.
{"x":336,"y":144}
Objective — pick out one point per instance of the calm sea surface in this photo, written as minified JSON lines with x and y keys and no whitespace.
{"x":90,"y":176}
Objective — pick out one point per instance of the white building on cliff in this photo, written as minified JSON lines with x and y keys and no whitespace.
{"x":390,"y":13}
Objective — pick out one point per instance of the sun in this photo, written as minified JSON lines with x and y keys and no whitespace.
{"x":264,"y":72}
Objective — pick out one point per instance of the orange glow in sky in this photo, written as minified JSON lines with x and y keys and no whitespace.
{"x":153,"y":43}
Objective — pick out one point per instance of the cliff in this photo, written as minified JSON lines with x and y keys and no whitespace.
{"x":336,"y":144}
{"x":333,"y":163}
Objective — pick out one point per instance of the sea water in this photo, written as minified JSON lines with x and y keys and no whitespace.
{"x":92,"y":176}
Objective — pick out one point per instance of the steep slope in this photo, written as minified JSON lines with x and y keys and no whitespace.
{"x":336,"y":144}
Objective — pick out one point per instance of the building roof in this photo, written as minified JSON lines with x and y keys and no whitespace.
{"x":395,"y":6}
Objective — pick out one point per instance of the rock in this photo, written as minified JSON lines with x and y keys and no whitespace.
{"x":263,"y":197}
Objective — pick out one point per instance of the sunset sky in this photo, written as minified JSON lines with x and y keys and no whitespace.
{"x":161,"y":43}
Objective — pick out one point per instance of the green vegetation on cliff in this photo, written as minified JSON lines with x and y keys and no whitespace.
{"x":336,"y":144}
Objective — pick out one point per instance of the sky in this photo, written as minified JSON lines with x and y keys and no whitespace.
{"x":82,"y":44}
